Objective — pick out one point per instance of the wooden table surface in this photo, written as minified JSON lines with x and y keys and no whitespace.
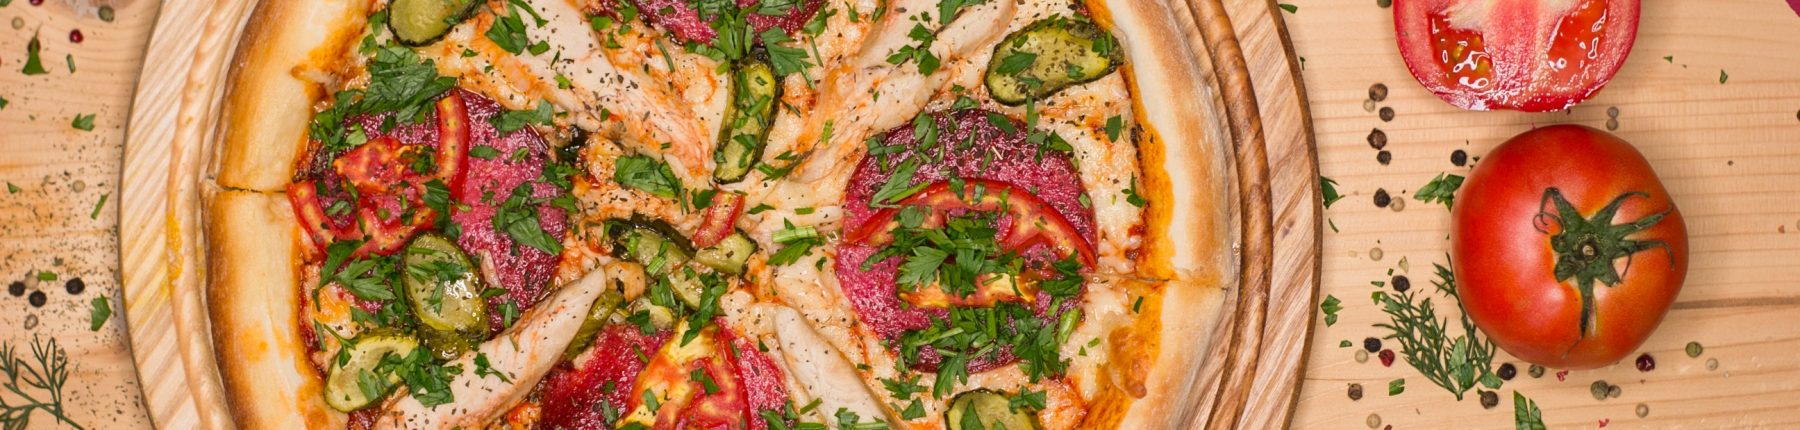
{"x":1729,"y":152}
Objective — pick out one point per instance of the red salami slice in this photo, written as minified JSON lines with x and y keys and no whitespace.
{"x":574,"y":398}
{"x":969,"y":144}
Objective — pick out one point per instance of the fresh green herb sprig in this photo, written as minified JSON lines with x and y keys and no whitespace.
{"x":1526,"y":415}
{"x":1441,"y":189}
{"x":47,"y":377}
{"x":1455,"y":362}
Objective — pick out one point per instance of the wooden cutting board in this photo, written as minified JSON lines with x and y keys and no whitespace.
{"x":1243,"y":41}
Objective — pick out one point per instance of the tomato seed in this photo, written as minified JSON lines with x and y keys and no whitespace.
{"x":1387,"y":357}
{"x":1371,"y":344}
{"x":37,"y":299}
{"x":75,"y":286}
{"x":1507,"y":371}
{"x":1355,"y":391}
{"x":1646,"y":363}
{"x":1400,"y":283}
{"x":16,"y":288}
{"x":1382,"y":198}
{"x":75,"y":36}
{"x":1489,"y":399}
{"x":1459,"y":158}
{"x":1377,"y":139}
{"x":1693,"y":348}
{"x":1378,"y":92}
{"x":1384,"y":157}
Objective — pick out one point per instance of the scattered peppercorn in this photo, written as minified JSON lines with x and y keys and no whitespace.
{"x":1643,"y":410}
{"x":1378,"y":92}
{"x":1384,"y":157}
{"x":1598,"y":389}
{"x":1613,"y":392}
{"x":1387,"y":357}
{"x":1387,"y":114}
{"x":75,"y":286}
{"x":1536,"y":371}
{"x":16,"y":288}
{"x":1400,"y":283}
{"x":1612,"y":124}
{"x":37,"y":299}
{"x":1375,"y":254}
{"x":1612,"y":112}
{"x":1373,"y":421}
{"x":1712,"y":364}
{"x":1459,"y":158}
{"x":1384,"y":3}
{"x":1489,"y":399}
{"x":1377,"y":138}
{"x":1694,"y":349}
{"x":75,"y":36}
{"x":106,"y":13}
{"x":1381,"y":198}
{"x":1371,"y":344}
{"x":1646,"y":363}
{"x":1398,"y":205}
{"x":1362,"y":356}
{"x":37,"y":2}
{"x":1355,"y":391}
{"x":1368,"y":105}
{"x":1507,"y":371}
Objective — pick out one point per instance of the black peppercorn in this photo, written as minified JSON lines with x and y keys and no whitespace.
{"x":16,"y":288}
{"x":1372,"y":344}
{"x":1381,"y":198}
{"x":37,"y":299}
{"x":1459,"y":158}
{"x":75,"y":286}
{"x":1387,"y":114}
{"x":1377,"y":139}
{"x":1401,"y":284}
{"x":1384,"y":157}
{"x":1355,"y":391}
{"x":1489,"y":399}
{"x":1645,"y":363}
{"x":1378,"y":92}
{"x":1507,"y":371}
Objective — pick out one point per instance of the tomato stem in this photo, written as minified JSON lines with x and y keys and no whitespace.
{"x":1587,"y":247}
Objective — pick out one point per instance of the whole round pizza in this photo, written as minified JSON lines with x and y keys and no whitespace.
{"x":740,"y":214}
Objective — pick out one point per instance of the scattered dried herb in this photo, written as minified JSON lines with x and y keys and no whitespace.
{"x":1330,"y":306}
{"x":47,"y":377}
{"x":1454,"y":362}
{"x":1328,"y":191}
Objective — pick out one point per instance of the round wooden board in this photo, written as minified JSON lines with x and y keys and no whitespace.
{"x":1261,"y":351}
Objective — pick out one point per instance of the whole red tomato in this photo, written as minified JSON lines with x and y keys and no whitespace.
{"x":1567,"y":249}
{"x":1529,"y":55}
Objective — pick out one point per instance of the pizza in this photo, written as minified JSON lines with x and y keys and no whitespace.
{"x":746,"y":214}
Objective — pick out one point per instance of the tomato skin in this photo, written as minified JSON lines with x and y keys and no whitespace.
{"x":1513,"y":54}
{"x":1505,"y":265}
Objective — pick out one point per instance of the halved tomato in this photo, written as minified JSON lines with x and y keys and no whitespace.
{"x":719,"y":218}
{"x":1528,"y":55}
{"x":1033,"y":221}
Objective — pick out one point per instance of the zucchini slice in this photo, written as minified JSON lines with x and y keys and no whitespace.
{"x":662,"y":251}
{"x":1048,"y":55}
{"x":420,"y":22}
{"x":729,"y":255}
{"x":755,"y":92}
{"x":448,"y":345}
{"x":443,"y":286}
{"x":344,"y":386}
{"x":988,"y":410}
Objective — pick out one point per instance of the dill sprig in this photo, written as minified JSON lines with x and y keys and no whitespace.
{"x":1456,"y":362}
{"x":49,"y":375}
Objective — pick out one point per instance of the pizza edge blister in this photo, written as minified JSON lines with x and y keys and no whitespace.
{"x":1129,"y":358}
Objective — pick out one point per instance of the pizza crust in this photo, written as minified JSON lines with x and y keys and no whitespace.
{"x":273,"y":86}
{"x":253,"y":295}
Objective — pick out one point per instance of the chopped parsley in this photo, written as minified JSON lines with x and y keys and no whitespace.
{"x":1330,"y":307}
{"x":514,"y":120}
{"x":101,"y":312}
{"x":647,"y":174}
{"x":1328,"y":191}
{"x":1441,"y":189}
{"x":33,"y":64}
{"x":83,"y":122}
{"x":518,"y":218}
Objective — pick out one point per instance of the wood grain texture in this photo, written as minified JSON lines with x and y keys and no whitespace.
{"x":167,"y":253}
{"x":1729,"y":154}
{"x":59,"y":212}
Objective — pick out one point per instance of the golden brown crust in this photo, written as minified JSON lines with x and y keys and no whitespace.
{"x":253,"y":296}
{"x":273,"y":87}
{"x":1189,"y":227}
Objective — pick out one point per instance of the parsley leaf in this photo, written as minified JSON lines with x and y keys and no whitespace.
{"x":1441,"y":189}
{"x":511,"y":121}
{"x":786,"y":60}
{"x":1526,"y":415}
{"x":1330,"y":307}
{"x":1397,"y":386}
{"x":1328,"y":191}
{"x":33,"y":64}
{"x":102,"y":311}
{"x":1114,"y":126}
{"x":648,"y":175}
{"x":83,"y":122}
{"x":518,"y":218}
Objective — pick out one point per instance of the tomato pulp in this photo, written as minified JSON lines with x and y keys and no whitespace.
{"x":1567,"y":249}
{"x":1533,"y":56}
